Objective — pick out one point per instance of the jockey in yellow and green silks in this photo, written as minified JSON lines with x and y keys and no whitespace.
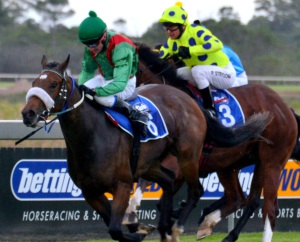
{"x":200,"y":50}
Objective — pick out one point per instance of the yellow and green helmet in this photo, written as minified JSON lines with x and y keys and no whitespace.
{"x":175,"y":14}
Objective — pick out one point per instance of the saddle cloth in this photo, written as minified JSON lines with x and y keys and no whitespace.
{"x":228,"y":109}
{"x":156,"y":126}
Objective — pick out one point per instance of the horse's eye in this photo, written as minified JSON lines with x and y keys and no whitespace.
{"x":53,"y":85}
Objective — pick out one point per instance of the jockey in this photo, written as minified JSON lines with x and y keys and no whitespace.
{"x":116,"y":58}
{"x":241,"y":76}
{"x":201,"y":51}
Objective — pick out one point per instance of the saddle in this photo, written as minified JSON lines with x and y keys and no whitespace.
{"x":157,"y":128}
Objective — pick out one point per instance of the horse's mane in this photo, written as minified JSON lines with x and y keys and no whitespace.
{"x":52,"y":64}
{"x":151,"y":59}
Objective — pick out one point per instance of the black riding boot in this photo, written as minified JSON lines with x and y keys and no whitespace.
{"x":134,"y":115}
{"x":208,"y":101}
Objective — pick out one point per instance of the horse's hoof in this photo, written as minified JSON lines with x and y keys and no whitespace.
{"x":175,"y":239}
{"x":167,"y":239}
{"x":226,"y":240}
{"x":201,"y":234}
{"x":130,"y":218}
{"x":176,"y":232}
{"x":145,"y":229}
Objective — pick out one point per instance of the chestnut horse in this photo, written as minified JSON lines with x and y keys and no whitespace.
{"x":99,"y":153}
{"x":269,"y":157}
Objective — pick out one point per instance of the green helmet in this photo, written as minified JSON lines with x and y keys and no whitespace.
{"x":91,"y":28}
{"x":175,"y":14}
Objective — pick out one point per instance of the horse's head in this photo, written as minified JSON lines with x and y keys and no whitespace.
{"x":154,"y":70}
{"x":49,"y":94}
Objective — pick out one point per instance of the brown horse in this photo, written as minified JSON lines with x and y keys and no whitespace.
{"x":269,"y":157}
{"x":99,"y":153}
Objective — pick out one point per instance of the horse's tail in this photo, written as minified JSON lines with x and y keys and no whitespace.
{"x":223,"y":136}
{"x":296,"y":152}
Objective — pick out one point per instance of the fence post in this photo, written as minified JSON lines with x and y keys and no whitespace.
{"x":230,"y":222}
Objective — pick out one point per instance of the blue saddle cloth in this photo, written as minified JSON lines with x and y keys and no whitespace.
{"x":228,"y":108}
{"x":156,"y":126}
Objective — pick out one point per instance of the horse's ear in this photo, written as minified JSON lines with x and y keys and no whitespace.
{"x":63,"y":66}
{"x":44,"y":62}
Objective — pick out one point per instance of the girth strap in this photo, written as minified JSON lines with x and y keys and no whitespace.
{"x":136,"y":147}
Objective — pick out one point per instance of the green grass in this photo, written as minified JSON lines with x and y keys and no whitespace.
{"x":6,"y":84}
{"x":10,"y":111}
{"x":286,"y":88}
{"x":244,"y":237}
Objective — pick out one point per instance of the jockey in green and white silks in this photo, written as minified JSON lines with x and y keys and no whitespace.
{"x":200,"y":50}
{"x":116,"y":58}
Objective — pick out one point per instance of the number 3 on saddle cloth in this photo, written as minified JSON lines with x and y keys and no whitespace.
{"x":229,"y":113}
{"x":156,"y":125}
{"x":228,"y":109}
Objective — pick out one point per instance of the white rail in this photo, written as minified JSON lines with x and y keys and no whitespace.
{"x":262,"y":79}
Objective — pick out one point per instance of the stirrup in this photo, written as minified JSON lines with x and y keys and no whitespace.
{"x":138,"y":116}
{"x":141,"y":118}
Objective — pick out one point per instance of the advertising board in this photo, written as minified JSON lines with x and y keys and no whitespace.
{"x":38,"y":198}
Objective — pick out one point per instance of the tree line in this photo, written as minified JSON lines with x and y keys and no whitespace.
{"x":268,"y":45}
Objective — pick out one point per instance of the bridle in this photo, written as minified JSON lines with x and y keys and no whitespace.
{"x":160,"y":74}
{"x":39,"y":92}
{"x":62,"y":95}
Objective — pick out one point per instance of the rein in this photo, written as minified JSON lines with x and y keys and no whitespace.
{"x":33,"y":132}
{"x":159,"y":74}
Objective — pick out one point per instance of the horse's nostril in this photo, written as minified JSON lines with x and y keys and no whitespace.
{"x":28,"y":114}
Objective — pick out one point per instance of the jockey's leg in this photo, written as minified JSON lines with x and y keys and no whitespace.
{"x":134,"y":115}
{"x":208,"y":101}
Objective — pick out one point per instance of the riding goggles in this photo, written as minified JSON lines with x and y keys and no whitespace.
{"x":92,"y":44}
{"x":170,"y":26}
{"x":171,"y":29}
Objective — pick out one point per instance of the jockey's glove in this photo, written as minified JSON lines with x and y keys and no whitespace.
{"x":184,"y":52}
{"x":89,"y":93}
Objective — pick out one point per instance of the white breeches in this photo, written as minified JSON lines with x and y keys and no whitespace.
{"x":241,"y":80}
{"x":203,"y":76}
{"x":109,"y":101}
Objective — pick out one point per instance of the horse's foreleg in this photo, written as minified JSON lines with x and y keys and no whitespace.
{"x":233,"y":199}
{"x":248,"y":211}
{"x":253,"y":201}
{"x":270,"y":205}
{"x":189,"y":170}
{"x":165,"y":178}
{"x":130,"y":216}
{"x":211,"y":208}
{"x":209,"y":218}
{"x":100,"y":204}
{"x":119,"y":205}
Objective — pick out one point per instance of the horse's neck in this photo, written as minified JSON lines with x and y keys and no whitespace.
{"x":78,"y":124}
